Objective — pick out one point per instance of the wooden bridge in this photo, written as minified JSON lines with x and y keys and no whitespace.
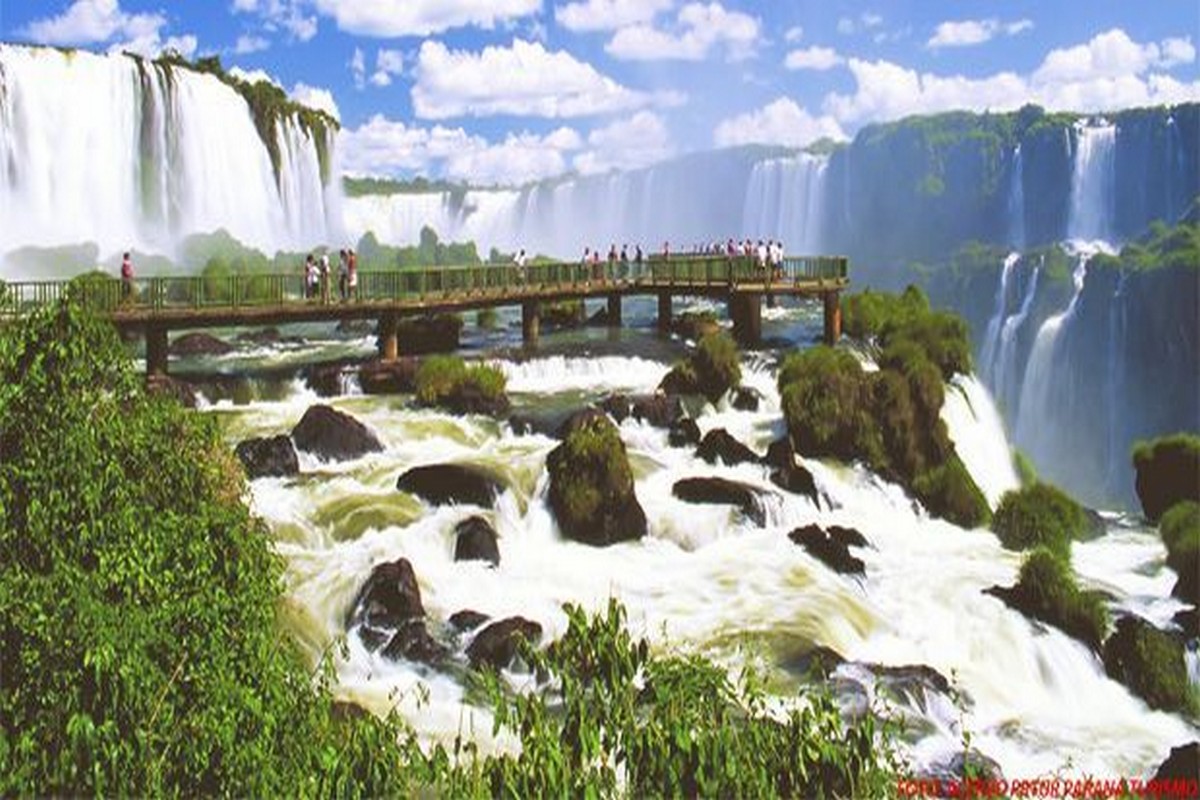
{"x":154,"y":306}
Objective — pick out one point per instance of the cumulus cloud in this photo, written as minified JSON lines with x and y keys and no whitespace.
{"x":781,"y":122}
{"x":250,"y":44}
{"x":393,"y":18}
{"x":608,"y":15}
{"x":90,"y":22}
{"x":289,"y":16}
{"x":387,"y":64}
{"x":636,"y":142}
{"x":520,"y":158}
{"x":523,"y":79}
{"x":252,"y":76}
{"x":969,"y":32}
{"x":316,"y":97}
{"x":699,"y":28}
{"x":818,"y":58}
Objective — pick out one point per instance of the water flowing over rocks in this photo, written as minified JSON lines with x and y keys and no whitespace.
{"x":787,"y":474}
{"x":467,"y":619}
{"x":389,"y":377}
{"x":200,"y":344}
{"x":475,"y":540}
{"x":389,"y":598}
{"x":333,"y":435}
{"x":443,"y":484}
{"x":719,"y":445}
{"x":268,"y":457}
{"x":683,"y":432}
{"x":659,"y":410}
{"x":496,"y":645}
{"x":722,"y":491}
{"x":832,"y":552}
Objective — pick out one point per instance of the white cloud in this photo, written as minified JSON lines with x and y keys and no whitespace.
{"x":608,"y":15}
{"x":1111,"y":54}
{"x":524,"y":79}
{"x":641,"y":140}
{"x":358,"y":68}
{"x":252,"y":76}
{"x":1176,"y":52}
{"x":286,"y":15}
{"x":387,"y":64}
{"x":781,"y":122}
{"x":250,"y":44}
{"x":818,"y":58}
{"x":793,"y":34}
{"x":699,"y":28}
{"x":315,"y":97}
{"x":520,"y":158}
{"x":969,"y":32}
{"x":93,"y":22}
{"x":393,"y":18}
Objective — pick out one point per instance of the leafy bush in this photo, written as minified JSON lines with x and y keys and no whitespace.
{"x":1168,"y":471}
{"x":447,"y":380}
{"x":1150,"y":662}
{"x":1039,"y":516}
{"x":487,"y":319}
{"x":1180,"y":530}
{"x":712,"y":369}
{"x":1026,"y":472}
{"x":1048,"y":592}
{"x":948,"y":491}
{"x":907,"y":321}
{"x":591,"y":484}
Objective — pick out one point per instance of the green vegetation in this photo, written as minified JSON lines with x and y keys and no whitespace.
{"x":1163,"y":247}
{"x":1040,"y":515}
{"x":366,"y":186}
{"x":1168,"y":472}
{"x":890,"y":419}
{"x":591,"y":482}
{"x":1047,"y":591}
{"x":1180,"y":531}
{"x":712,"y":369}
{"x":446,"y":380}
{"x":1026,"y":471}
{"x":429,"y":252}
{"x":563,"y":314}
{"x":487,"y":318}
{"x":1150,"y":662}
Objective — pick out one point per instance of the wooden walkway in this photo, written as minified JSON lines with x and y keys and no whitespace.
{"x":153,"y":306}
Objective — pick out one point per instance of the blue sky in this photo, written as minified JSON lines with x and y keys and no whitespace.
{"x":505,"y":91}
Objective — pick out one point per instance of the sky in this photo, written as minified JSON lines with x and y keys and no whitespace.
{"x":511,"y":91}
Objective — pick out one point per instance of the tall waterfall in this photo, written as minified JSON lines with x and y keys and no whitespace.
{"x":785,"y":201}
{"x":1092,"y":183}
{"x":1016,"y":201}
{"x":126,"y":153}
{"x":1004,"y":374}
{"x":991,"y":337}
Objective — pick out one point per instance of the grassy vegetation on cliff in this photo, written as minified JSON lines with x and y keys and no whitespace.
{"x":441,"y":378}
{"x":1180,"y":531}
{"x":1040,"y":515}
{"x":889,"y":419}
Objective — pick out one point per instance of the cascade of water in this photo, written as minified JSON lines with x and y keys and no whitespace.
{"x":977,"y":431}
{"x":1035,"y":428}
{"x":1093,"y":183}
{"x":1016,"y":201}
{"x":1118,"y":326}
{"x":991,"y":337}
{"x":1005,"y":381}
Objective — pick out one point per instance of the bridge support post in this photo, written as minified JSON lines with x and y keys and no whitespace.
{"x":530,"y":321}
{"x":745,"y":309}
{"x":614,"y":311}
{"x":389,"y":336}
{"x":833,"y":317}
{"x":156,"y":351}
{"x":664,"y":311}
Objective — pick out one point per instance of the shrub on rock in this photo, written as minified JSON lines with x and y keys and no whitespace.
{"x":948,"y":491}
{"x":591,"y":485}
{"x":1039,"y":516}
{"x":1168,"y":471}
{"x":1150,"y":662}
{"x":711,"y":370}
{"x":1046,"y":590}
{"x":446,"y":381}
{"x":1180,"y":531}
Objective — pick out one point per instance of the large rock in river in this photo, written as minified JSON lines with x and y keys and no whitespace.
{"x":831,"y":552}
{"x":475,"y":540}
{"x":591,"y":485}
{"x":272,"y":457}
{"x":719,"y":444}
{"x":787,"y":474}
{"x":389,"y":598}
{"x":444,"y":484}
{"x":1150,"y":662}
{"x":723,"y":492}
{"x":1168,"y":471}
{"x":200,"y":344}
{"x":496,"y":645}
{"x":334,"y":435}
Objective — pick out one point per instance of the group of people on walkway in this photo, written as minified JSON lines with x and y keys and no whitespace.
{"x":317,"y":283}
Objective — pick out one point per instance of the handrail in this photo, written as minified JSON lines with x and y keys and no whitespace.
{"x":233,"y":292}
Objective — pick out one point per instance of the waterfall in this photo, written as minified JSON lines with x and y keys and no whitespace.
{"x":784,"y":201}
{"x":977,"y":431}
{"x":991,"y":337}
{"x":1036,"y":432}
{"x":1016,"y":201}
{"x":1004,"y":377}
{"x":1118,"y":326}
{"x":126,"y":153}
{"x":1092,"y":184}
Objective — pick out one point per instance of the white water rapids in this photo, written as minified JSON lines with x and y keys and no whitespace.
{"x":707,"y":579}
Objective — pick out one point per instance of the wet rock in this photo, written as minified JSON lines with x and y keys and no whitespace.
{"x":819,"y":662}
{"x":443,"y":484}
{"x":788,"y":475}
{"x":658,"y":409}
{"x":437,"y":333}
{"x":1182,"y":764}
{"x":910,"y":679}
{"x":1150,"y":662}
{"x":389,"y":377}
{"x":496,"y":645}
{"x":723,"y":492}
{"x":618,"y":406}
{"x":847,"y":536}
{"x":832,"y":554}
{"x":200,"y":344}
{"x":467,"y":620}
{"x":389,"y":598}
{"x":746,"y":398}
{"x":1188,"y":621}
{"x":719,"y":445}
{"x":475,"y":540}
{"x":547,"y":422}
{"x":327,"y":380}
{"x":267,"y":336}
{"x":182,"y":391}
{"x":412,"y":642}
{"x":271,"y":457}
{"x":333,"y":435}
{"x":683,"y":432}
{"x":972,"y":764}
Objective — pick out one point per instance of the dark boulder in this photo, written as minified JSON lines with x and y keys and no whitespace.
{"x":266,"y":336}
{"x":326,"y":380}
{"x":200,"y":344}
{"x":787,"y":474}
{"x":436,"y":333}
{"x":720,"y":445}
{"x":820,"y":546}
{"x":658,"y":409}
{"x":272,"y":457}
{"x":547,"y":422}
{"x":475,"y":540}
{"x":1188,"y":620}
{"x":683,"y":432}
{"x":722,"y":491}
{"x":695,"y":325}
{"x":389,"y":598}
{"x":388,"y":377}
{"x":1150,"y":662}
{"x":1168,"y":472}
{"x":618,"y":406}
{"x":591,"y":484}
{"x":496,"y":645}
{"x":848,"y":537}
{"x":972,"y":765}
{"x":467,"y":619}
{"x":333,"y":435}
{"x":1183,"y":764}
{"x":910,"y":680}
{"x":165,"y":385}
{"x":469,"y":398}
{"x":443,"y":484}
{"x":412,"y":642}
{"x":746,"y":398}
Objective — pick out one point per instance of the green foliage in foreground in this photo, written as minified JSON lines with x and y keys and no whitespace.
{"x":440,"y":379}
{"x":889,"y":419}
{"x":1048,"y":592}
{"x":1041,"y":515}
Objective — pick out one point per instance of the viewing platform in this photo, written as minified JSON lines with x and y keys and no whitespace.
{"x":153,"y":306}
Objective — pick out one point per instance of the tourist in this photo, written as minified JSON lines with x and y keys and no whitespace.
{"x":310,"y":277}
{"x":352,"y":272}
{"x":126,"y":278}
{"x":324,"y":270}
{"x":343,"y":274}
{"x":637,"y":256}
{"x":519,"y":260}
{"x":666,"y":253}
{"x":624,"y":261}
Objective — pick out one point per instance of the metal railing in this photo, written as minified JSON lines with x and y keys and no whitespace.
{"x":114,"y":296}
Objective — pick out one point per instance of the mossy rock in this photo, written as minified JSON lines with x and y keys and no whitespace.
{"x":1150,"y":662}
{"x":949,"y":492}
{"x":1039,"y":516}
{"x":434,"y":333}
{"x":591,"y":484}
{"x":1168,"y":471}
{"x":1180,"y":530}
{"x":1046,"y":590}
{"x":448,"y":382}
{"x":711,"y":370}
